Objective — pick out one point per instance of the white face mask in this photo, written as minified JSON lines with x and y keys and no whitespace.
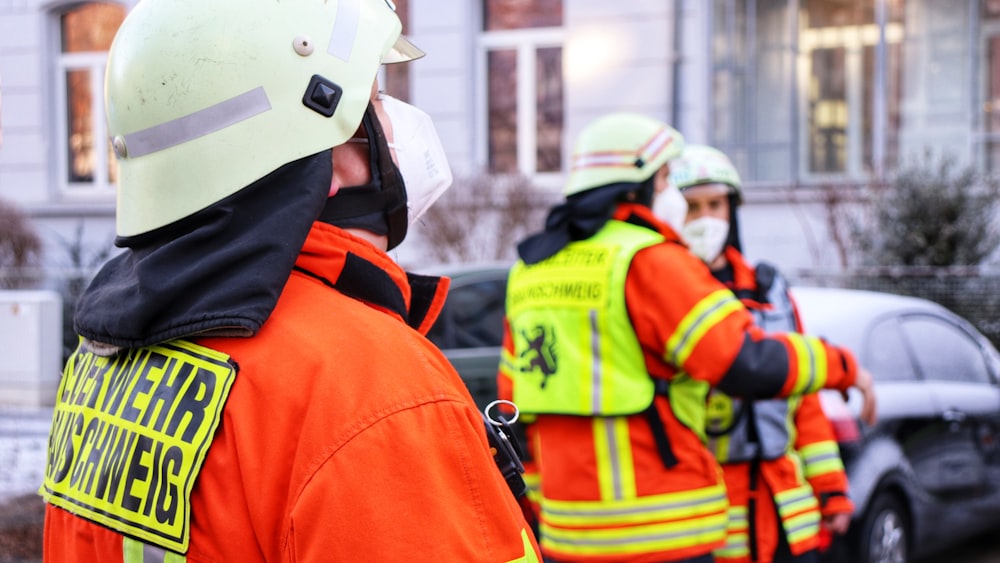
{"x":419,"y":155}
{"x":706,"y":237}
{"x":671,"y":207}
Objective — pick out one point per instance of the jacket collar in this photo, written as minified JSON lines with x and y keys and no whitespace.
{"x":744,"y":278}
{"x":638,"y":214}
{"x":358,"y":269}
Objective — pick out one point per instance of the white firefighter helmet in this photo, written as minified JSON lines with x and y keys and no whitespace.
{"x":621,"y":148}
{"x":700,"y":165}
{"x":204,"y":97}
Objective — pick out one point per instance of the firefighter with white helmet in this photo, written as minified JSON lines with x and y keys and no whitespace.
{"x":614,"y":334}
{"x":252,"y":381}
{"x":705,"y":170}
{"x":784,"y":477}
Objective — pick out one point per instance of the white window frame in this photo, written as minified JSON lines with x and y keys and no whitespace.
{"x":100,"y":189}
{"x":100,"y":186}
{"x":853,"y":39}
{"x":526,"y":43}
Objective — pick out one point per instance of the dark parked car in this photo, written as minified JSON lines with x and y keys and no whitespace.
{"x":925,"y":477}
{"x":470,"y":328}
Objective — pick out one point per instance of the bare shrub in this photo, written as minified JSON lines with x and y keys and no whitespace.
{"x":483,"y":217}
{"x":930,"y":231}
{"x":20,"y":249}
{"x":933,"y":213}
{"x":82,"y":263}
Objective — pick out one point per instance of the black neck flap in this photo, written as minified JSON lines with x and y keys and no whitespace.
{"x":380,"y":205}
{"x":219,"y":271}
{"x":578,"y":218}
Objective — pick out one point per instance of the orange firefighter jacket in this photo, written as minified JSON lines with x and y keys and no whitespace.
{"x":606,"y":491}
{"x":786,"y":493}
{"x":347,"y":436}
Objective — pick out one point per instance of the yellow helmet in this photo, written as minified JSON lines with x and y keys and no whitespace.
{"x":701,"y":164}
{"x":204,"y":97}
{"x":621,"y":147}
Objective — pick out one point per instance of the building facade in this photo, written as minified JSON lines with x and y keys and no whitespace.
{"x":813,"y":99}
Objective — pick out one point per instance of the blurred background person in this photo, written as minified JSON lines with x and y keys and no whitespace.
{"x":614,"y":332}
{"x":784,"y":476}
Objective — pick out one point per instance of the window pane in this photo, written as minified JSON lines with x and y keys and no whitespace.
{"x":752,"y":107}
{"x":729,"y":44}
{"x":886,"y":355}
{"x":827,"y":111}
{"x":397,"y":76}
{"x":945,"y":352}
{"x":893,"y":104}
{"x":853,"y":89}
{"x":81,"y":135}
{"x":837,"y":13}
{"x":502,"y":84}
{"x":991,"y":9}
{"x":729,"y":126}
{"x":729,"y":31}
{"x":90,"y":27}
{"x":867,"y":105}
{"x":520,"y":14}
{"x":549,"y":102}
{"x":992,"y":105}
{"x":891,"y":95}
{"x":848,"y":88}
{"x":773,"y":122}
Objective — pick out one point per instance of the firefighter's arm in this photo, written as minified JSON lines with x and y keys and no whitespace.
{"x":419,"y":481}
{"x":863,"y":380}
{"x":694,"y":323}
{"x":817,"y":447}
{"x":787,"y":364}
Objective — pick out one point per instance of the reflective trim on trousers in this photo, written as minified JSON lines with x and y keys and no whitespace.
{"x":667,"y":522}
{"x":821,"y":458}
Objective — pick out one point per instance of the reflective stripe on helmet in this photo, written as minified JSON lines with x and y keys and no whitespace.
{"x":648,"y":151}
{"x":700,"y":165}
{"x":620,"y":147}
{"x":200,"y":123}
{"x":345,"y":29}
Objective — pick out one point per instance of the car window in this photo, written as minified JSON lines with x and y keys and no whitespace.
{"x":944,"y":351}
{"x":472,"y":316}
{"x":993,"y":362}
{"x":886,"y":355}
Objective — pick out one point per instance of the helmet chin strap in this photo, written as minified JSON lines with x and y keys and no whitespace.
{"x":380,"y":205}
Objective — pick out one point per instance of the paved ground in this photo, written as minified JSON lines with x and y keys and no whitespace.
{"x":23,"y":437}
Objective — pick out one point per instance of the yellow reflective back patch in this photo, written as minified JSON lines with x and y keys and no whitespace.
{"x":129,"y":436}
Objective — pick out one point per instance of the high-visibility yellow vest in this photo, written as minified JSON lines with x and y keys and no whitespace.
{"x":575,"y":350}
